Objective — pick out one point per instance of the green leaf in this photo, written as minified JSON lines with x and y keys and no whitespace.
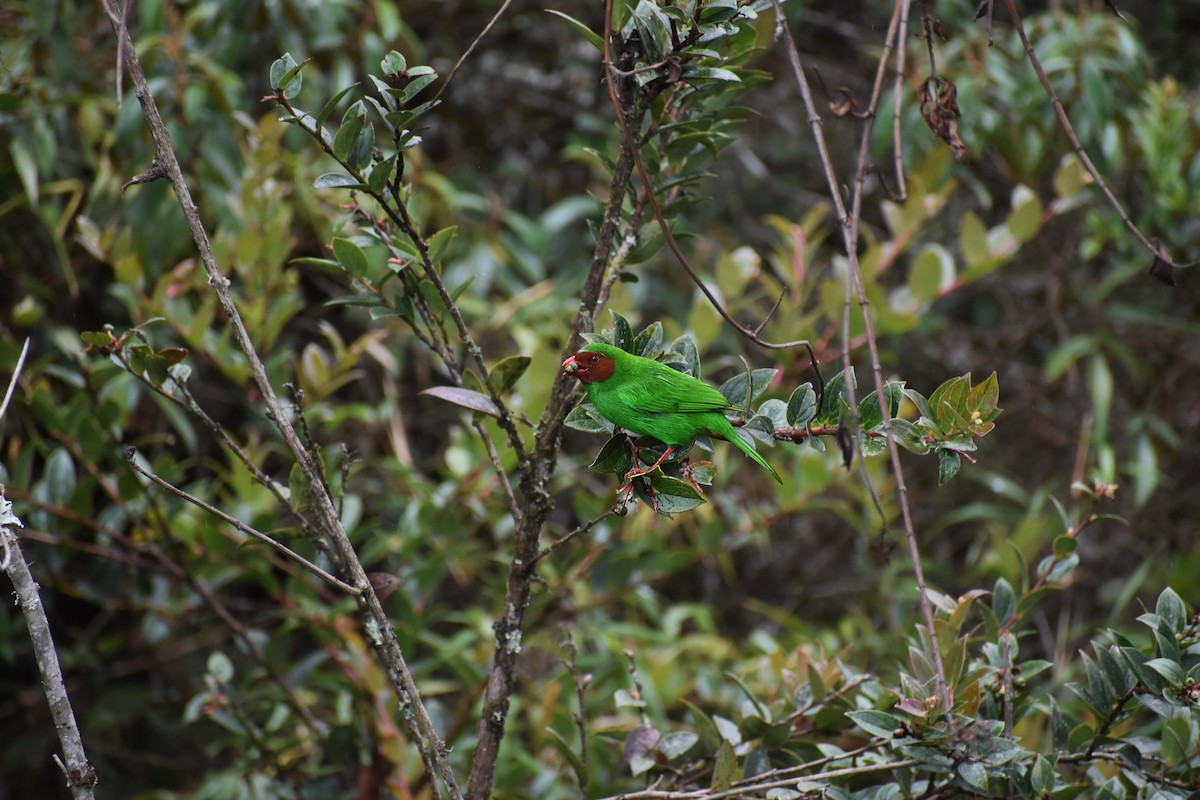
{"x":1177,"y":741}
{"x":59,"y":476}
{"x":876,"y":723}
{"x":835,"y":398}
{"x":331,"y":104}
{"x":584,"y":417}
{"x":351,"y":257}
{"x":975,"y":774}
{"x":757,"y":381}
{"x":97,"y":338}
{"x":909,"y":436}
{"x":649,"y":341}
{"x":590,"y":36}
{"x":949,"y":462}
{"x":932,"y":274}
{"x":622,"y":333}
{"x":1170,"y":670}
{"x":1171,"y":609}
{"x":360,"y":155}
{"x":695,"y":72}
{"x":1071,"y":176}
{"x":689,"y":355}
{"x":615,"y":457}
{"x":676,"y":744}
{"x":337,"y":180}
{"x":1004,"y":601}
{"x":346,"y":138}
{"x":506,"y":373}
{"x":285,"y":76}
{"x":674,"y":495}
{"x":1025,"y":219}
{"x":973,"y":239}
{"x":381,"y":173}
{"x":802,"y":406}
{"x":724,"y":768}
{"x":1064,"y":546}
{"x":654,"y":28}
{"x":393,"y":64}
{"x":946,"y":404}
{"x":440,"y":241}
{"x":466,"y":398}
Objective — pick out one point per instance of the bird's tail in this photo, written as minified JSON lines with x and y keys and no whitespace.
{"x":741,"y":444}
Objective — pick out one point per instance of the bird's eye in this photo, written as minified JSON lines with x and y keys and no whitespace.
{"x":594,"y":358}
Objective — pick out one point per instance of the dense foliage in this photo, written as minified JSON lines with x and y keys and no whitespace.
{"x":410,"y":245}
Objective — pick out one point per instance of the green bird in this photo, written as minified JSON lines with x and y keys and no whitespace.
{"x":647,"y":398}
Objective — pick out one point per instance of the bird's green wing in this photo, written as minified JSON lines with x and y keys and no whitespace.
{"x":662,"y":390}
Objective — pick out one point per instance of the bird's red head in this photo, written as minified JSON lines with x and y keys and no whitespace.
{"x":589,"y":366}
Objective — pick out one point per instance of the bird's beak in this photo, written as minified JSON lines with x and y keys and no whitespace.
{"x":570,"y":366}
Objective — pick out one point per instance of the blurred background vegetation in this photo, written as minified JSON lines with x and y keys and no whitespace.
{"x":158,"y":609}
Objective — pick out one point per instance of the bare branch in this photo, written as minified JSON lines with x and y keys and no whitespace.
{"x":381,"y":633}
{"x":284,"y":550}
{"x":1065,"y":123}
{"x":80,"y":774}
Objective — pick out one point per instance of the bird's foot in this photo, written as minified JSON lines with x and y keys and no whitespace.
{"x":625,"y":493}
{"x":639,"y":472}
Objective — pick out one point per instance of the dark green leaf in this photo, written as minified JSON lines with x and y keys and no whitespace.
{"x":1171,"y":609}
{"x":346,"y":137}
{"x":622,"y":333}
{"x":351,"y":257}
{"x":440,"y":241}
{"x":381,"y":174}
{"x":724,"y":768}
{"x":1004,"y":600}
{"x":331,"y":104}
{"x":685,"y":346}
{"x":337,"y":180}
{"x":949,"y":463}
{"x":735,"y":389}
{"x":648,"y":343}
{"x":910,"y":436}
{"x":802,"y":406}
{"x":615,"y":457}
{"x":590,"y":36}
{"x":876,"y":723}
{"x":393,"y":64}
{"x":584,"y":417}
{"x":285,"y":76}
{"x":674,"y":495}
{"x":506,"y":373}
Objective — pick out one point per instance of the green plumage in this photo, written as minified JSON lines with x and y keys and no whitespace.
{"x":648,"y":398}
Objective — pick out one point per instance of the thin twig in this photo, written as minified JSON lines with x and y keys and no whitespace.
{"x":12,"y":384}
{"x":284,"y":550}
{"x":850,"y":226}
{"x":467,"y":53}
{"x":433,"y":750}
{"x":575,"y":534}
{"x":1064,"y":122}
{"x":897,"y":94}
{"x":656,"y":208}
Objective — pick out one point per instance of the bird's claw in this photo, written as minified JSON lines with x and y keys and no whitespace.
{"x":625,"y":493}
